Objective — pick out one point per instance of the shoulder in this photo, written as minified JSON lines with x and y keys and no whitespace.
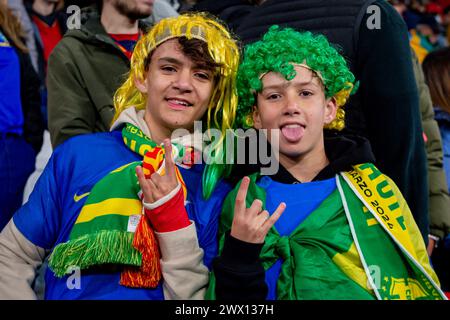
{"x":86,"y":147}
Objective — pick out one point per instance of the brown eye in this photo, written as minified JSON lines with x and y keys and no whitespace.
{"x":168,"y":69}
{"x":202,"y":75}
{"x":306,"y":93}
{"x":273,"y":96}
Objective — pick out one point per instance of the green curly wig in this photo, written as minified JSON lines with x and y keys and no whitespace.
{"x":277,"y":51}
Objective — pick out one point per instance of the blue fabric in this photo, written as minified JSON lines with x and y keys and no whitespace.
{"x":17,"y":160}
{"x":443,"y":120}
{"x":127,"y":44}
{"x":301,"y":199}
{"x":74,"y":168}
{"x":11,"y":117}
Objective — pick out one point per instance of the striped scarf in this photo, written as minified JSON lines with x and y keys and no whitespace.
{"x":111,"y":227}
{"x":360,"y":243}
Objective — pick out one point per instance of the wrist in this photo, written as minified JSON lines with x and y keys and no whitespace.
{"x":170,"y":215}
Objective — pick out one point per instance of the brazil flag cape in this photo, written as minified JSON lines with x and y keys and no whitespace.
{"x":360,"y":243}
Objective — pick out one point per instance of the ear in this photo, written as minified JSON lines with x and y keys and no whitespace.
{"x":330,"y":111}
{"x":141,"y":85}
{"x":256,"y":118}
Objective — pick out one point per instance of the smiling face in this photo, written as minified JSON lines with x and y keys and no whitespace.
{"x":298,"y":108}
{"x":178,"y":90}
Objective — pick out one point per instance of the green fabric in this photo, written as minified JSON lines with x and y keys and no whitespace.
{"x":105,"y":238}
{"x":308,"y":271}
{"x":313,"y":255}
{"x":138,"y":142}
{"x":395,"y":270}
{"x":307,"y":253}
{"x":100,"y":234}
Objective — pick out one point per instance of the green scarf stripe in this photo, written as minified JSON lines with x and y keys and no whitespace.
{"x":111,"y":186}
{"x":65,"y":256}
{"x":138,"y":142}
{"x":119,"y":223}
{"x":132,"y":133}
{"x":104,"y":238}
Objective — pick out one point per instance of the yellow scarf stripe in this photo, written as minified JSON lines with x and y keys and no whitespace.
{"x":119,"y":206}
{"x":385,"y":202}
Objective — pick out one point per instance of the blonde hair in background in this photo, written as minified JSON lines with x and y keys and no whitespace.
{"x":436,"y":68}
{"x":11,"y":26}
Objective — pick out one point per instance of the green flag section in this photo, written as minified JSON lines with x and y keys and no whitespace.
{"x":342,"y":250}
{"x":100,"y":235}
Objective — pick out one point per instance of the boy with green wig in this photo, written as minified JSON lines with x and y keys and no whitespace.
{"x":340,"y":229}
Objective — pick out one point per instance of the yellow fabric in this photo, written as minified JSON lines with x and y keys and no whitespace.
{"x":392,"y":212}
{"x":118,"y":206}
{"x":350,"y":263}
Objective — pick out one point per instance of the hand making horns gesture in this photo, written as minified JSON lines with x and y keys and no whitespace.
{"x":157,"y":186}
{"x":252,"y":224}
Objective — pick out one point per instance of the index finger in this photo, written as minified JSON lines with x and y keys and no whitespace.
{"x":242,"y":195}
{"x":170,"y":164}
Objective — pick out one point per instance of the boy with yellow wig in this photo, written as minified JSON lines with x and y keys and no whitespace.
{"x":121,"y":213}
{"x":340,"y":229}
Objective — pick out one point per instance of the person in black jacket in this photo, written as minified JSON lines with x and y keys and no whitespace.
{"x":21,"y":123}
{"x":374,"y":40}
{"x":49,"y":21}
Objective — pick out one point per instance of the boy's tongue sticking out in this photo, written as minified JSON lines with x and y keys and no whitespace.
{"x":292,"y":132}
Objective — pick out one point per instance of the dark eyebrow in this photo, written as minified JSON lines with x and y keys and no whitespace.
{"x":177,"y":62}
{"x":170,"y":60}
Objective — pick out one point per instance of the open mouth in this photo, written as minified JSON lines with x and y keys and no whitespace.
{"x":292,"y":132}
{"x":178,"y":104}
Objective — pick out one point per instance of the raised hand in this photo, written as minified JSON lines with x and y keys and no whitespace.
{"x":252,"y":224}
{"x":157,"y":186}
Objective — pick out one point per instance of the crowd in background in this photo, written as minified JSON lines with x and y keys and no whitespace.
{"x":48,"y":68}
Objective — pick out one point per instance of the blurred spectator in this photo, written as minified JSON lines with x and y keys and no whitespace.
{"x":49,"y":23}
{"x":161,"y":9}
{"x":231,"y":11}
{"x":439,"y":200}
{"x":411,"y":14}
{"x":185,"y":5}
{"x":385,"y":109}
{"x":426,"y":37}
{"x":436,"y":68}
{"x":18,"y":9}
{"x":446,"y":22}
{"x":88,"y":65}
{"x":21,"y":125}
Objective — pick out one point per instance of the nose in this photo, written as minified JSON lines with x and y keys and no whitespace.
{"x":183,"y":82}
{"x":292,"y":106}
